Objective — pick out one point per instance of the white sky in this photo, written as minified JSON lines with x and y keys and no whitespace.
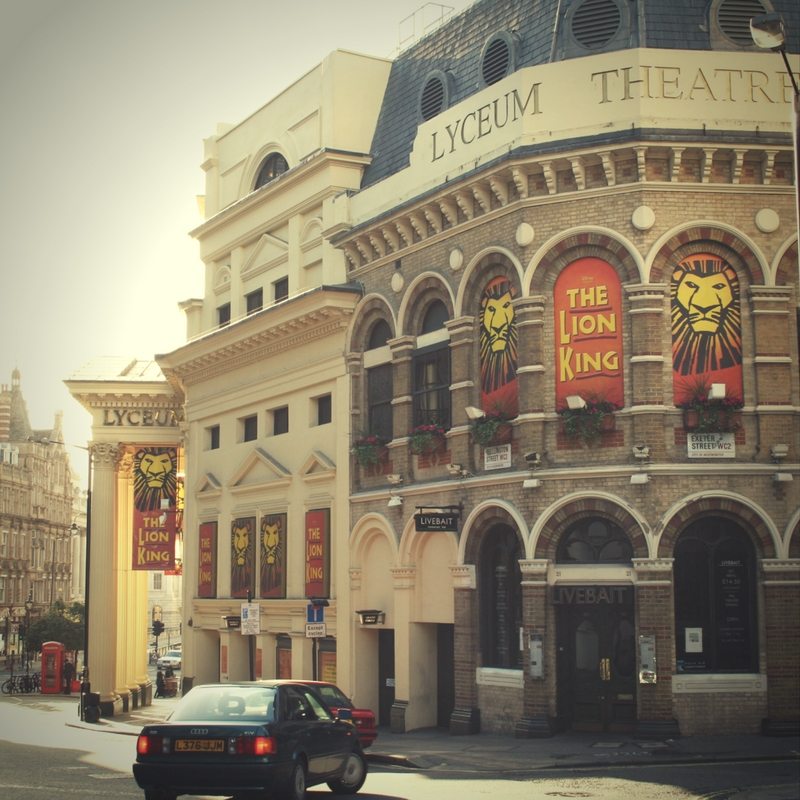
{"x":104,"y":105}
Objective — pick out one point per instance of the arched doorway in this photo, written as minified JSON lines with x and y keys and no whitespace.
{"x":596,"y":664}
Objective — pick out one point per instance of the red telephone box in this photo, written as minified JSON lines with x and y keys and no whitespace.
{"x":52,"y":667}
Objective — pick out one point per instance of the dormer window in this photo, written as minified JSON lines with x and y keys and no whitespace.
{"x":498,"y":57}
{"x":273,"y":166}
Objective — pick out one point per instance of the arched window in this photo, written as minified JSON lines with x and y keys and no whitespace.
{"x":594,"y":541}
{"x":380,"y":386}
{"x":273,"y":165}
{"x":715,"y":599}
{"x":431,"y":390}
{"x":500,"y":598}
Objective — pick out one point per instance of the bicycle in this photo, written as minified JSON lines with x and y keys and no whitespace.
{"x":22,"y":684}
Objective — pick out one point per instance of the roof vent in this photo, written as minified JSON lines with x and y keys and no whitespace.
{"x":434,"y":96}
{"x":497,"y":59}
{"x":595,"y":23}
{"x":733,"y":17}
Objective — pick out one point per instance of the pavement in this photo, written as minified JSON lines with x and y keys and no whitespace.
{"x":437,"y":750}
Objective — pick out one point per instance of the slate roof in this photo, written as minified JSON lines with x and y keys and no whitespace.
{"x":455,"y":48}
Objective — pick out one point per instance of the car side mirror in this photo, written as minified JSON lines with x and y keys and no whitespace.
{"x":345,"y":714}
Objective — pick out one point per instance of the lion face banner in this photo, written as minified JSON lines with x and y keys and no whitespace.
{"x":272,"y":577}
{"x":588,"y":327}
{"x":155,"y":482}
{"x":706,"y":327}
{"x":243,"y":549}
{"x":498,"y":341}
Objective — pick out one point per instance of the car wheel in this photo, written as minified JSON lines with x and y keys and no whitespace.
{"x":296,"y":785}
{"x":353,"y":775}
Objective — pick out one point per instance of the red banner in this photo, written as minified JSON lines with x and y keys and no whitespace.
{"x":588,"y":327}
{"x":317,"y":553}
{"x":207,"y":560}
{"x":155,"y":508}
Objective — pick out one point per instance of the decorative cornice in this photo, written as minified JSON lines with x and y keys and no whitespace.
{"x":464,"y":576}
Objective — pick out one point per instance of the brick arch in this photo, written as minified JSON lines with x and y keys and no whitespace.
{"x":479,"y":527}
{"x":727,"y":508}
{"x":564,"y":517}
{"x":794,"y":542}
{"x":367,"y":314}
{"x":583,"y":245}
{"x":492,"y":265}
{"x":704,"y":238}
{"x":419,"y":297}
{"x":787,"y":266}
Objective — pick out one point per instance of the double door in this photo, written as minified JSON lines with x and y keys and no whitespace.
{"x":597,"y":665}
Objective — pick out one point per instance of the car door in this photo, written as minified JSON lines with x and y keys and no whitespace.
{"x":306,"y":732}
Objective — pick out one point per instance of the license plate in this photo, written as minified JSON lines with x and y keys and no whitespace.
{"x":199,"y":745}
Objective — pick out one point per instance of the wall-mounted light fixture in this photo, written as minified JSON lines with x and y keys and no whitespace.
{"x":395,"y":501}
{"x":640,"y":478}
{"x":779,"y":452}
{"x":457,"y":471}
{"x":371,"y":616}
{"x":717,"y":391}
{"x":575,"y":402}
{"x":783,"y":477}
{"x":474,"y":413}
{"x":394,"y":478}
{"x":531,"y":483}
{"x":533,"y":460}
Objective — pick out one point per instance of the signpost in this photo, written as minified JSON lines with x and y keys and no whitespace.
{"x":251,"y":627}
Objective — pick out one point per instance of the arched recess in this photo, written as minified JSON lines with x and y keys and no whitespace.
{"x":764,"y":537}
{"x":494,"y":510}
{"x":574,"y":509}
{"x":792,"y":538}
{"x":786,"y":265}
{"x":710,"y":237}
{"x":541,"y":275}
{"x":256,"y":161}
{"x":420,"y":294}
{"x":369,"y":311}
{"x":373,"y":556}
{"x":494,"y":263}
{"x":311,"y":230}
{"x":432,"y":555}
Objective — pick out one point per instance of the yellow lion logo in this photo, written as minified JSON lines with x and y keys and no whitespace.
{"x":271,"y":554}
{"x":154,"y":478}
{"x":706,"y":320}
{"x":498,"y":340}
{"x":241,"y":566}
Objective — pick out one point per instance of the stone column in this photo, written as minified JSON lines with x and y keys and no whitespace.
{"x":538,"y":689}
{"x":402,"y":411}
{"x":466,"y":716}
{"x":406,"y":713}
{"x":124,"y":685}
{"x":102,"y":591}
{"x":462,"y":370}
{"x":655,"y":616}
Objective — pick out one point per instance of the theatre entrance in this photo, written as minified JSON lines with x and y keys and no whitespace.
{"x":596,"y":657}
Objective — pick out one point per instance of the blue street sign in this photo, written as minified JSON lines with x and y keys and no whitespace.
{"x":315,"y":613}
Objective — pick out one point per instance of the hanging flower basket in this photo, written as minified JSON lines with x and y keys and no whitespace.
{"x":491,"y":430}
{"x":369,"y":450}
{"x":589,"y":422}
{"x":427,"y":439}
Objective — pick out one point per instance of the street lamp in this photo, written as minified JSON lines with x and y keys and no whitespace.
{"x":28,"y":606}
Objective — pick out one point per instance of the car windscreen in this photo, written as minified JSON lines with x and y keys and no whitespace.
{"x":228,"y":704}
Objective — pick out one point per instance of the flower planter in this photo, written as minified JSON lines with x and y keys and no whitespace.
{"x":425,"y":445}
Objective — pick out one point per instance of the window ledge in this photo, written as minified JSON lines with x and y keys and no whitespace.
{"x":718,"y":683}
{"x":493,"y":676}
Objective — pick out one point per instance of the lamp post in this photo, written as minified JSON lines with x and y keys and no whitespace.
{"x":28,"y":606}
{"x":769,"y":33}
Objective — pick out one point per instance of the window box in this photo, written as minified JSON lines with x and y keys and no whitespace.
{"x":427,"y":439}
{"x":370,"y":451}
{"x":587,"y":423}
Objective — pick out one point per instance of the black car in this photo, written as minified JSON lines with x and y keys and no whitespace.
{"x":254,"y":739}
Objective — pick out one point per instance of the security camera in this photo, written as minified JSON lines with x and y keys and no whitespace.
{"x":533,"y":459}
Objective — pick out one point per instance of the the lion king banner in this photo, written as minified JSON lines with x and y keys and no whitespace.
{"x":155,"y":481}
{"x":498,"y":348}
{"x":243,"y":549}
{"x":272,"y":561}
{"x":207,"y":560}
{"x":588,"y":326}
{"x":706,"y":328}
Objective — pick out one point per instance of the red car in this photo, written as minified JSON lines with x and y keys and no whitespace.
{"x":335,"y":698}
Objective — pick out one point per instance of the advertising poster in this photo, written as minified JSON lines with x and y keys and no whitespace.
{"x":317,"y":553}
{"x":272,"y":558}
{"x":207,"y":560}
{"x":498,"y":349}
{"x":706,"y":329}
{"x":154,"y":508}
{"x":588,"y":327}
{"x":243,"y":549}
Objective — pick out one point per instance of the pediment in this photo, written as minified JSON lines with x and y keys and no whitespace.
{"x":259,"y":470}
{"x":207,"y":486}
{"x":268,"y":251}
{"x":317,"y":467}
